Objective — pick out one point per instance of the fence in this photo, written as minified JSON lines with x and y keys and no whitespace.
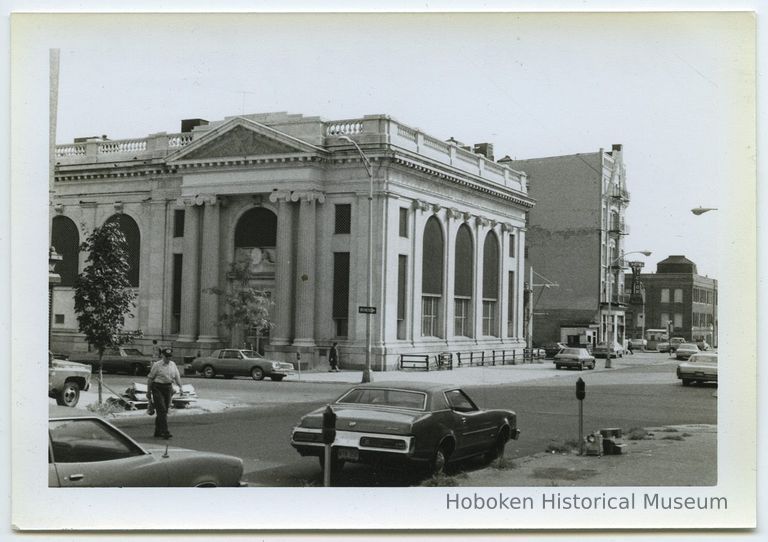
{"x":445,"y":360}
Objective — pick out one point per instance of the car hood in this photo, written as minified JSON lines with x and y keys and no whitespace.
{"x":368,"y":419}
{"x":66,"y":364}
{"x":174,"y":453}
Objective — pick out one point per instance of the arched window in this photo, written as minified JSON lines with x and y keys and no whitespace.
{"x":490,"y":284}
{"x":256,"y":238}
{"x":66,"y":240}
{"x":130,"y":230}
{"x":431,"y":278}
{"x":462,"y":290}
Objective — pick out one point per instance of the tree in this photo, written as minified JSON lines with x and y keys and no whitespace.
{"x":103,"y":294}
{"x":246,"y":307}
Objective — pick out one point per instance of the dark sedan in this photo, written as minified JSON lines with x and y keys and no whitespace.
{"x":407,"y":423}
{"x":118,"y":360}
{"x":87,"y":451}
{"x":578,"y":358}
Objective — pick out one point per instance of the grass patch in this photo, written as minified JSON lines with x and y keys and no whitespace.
{"x":637,"y":433}
{"x":564,"y":447}
{"x":106,"y":408}
{"x":443,"y":480}
{"x":502,"y":463}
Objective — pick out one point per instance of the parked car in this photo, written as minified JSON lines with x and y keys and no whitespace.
{"x":686,"y":350}
{"x":552,"y":349}
{"x":230,"y":362}
{"x":663,"y":346}
{"x":574,"y":357}
{"x":703,"y":345}
{"x":701,"y":367}
{"x":123,"y":359}
{"x":638,"y":344}
{"x":674,"y":342}
{"x":87,"y":451}
{"x":66,"y":379}
{"x":602,"y":350}
{"x":407,"y":424}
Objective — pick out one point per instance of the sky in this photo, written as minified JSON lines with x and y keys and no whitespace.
{"x":534,"y":85}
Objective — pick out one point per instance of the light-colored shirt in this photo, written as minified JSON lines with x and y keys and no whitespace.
{"x":164,"y":373}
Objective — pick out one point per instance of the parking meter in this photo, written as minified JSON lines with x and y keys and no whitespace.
{"x":329,"y":425}
{"x":581,"y":389}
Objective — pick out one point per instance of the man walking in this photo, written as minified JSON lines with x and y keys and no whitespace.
{"x":333,"y":357}
{"x":160,"y":381}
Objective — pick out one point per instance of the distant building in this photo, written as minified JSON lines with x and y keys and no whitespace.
{"x":290,"y":195}
{"x":575,"y":239}
{"x":678,"y":298}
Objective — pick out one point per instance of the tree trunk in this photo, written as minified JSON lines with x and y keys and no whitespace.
{"x":101,"y":377}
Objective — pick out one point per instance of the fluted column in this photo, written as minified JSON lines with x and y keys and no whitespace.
{"x":209,"y":271}
{"x":190,"y":277}
{"x":480,"y":229}
{"x":306,"y":268}
{"x":281,"y":334}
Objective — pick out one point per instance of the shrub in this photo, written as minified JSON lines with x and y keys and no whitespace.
{"x":637,"y":433}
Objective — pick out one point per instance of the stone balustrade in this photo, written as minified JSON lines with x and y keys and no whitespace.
{"x":104,"y":150}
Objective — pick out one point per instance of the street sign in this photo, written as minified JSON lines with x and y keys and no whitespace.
{"x":366,"y":310}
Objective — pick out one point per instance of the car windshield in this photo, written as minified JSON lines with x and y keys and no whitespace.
{"x":250,"y":354}
{"x":132,"y":351}
{"x":385,"y":397}
{"x":688,"y":346}
{"x":704,"y":358}
{"x":87,"y":441}
{"x":573,"y":351}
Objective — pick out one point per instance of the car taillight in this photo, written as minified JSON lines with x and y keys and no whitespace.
{"x":304,"y":436}
{"x":375,"y":442}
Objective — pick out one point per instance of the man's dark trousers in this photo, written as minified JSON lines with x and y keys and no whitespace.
{"x":161,"y":398}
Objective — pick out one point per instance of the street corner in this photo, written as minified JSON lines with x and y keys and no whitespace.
{"x":681,"y":455}
{"x":89,"y":403}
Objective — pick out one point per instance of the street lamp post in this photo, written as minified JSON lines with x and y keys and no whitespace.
{"x":369,"y":298}
{"x":700,"y":211}
{"x":611,"y":329}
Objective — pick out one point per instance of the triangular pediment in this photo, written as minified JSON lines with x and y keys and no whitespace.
{"x":240,"y":138}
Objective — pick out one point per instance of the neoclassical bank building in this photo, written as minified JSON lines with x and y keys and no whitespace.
{"x":290,"y":194}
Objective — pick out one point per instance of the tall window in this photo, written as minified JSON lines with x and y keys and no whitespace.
{"x":341,"y":293}
{"x":176,"y":294}
{"x":402,"y":294}
{"x":511,"y":305}
{"x":66,"y":240}
{"x":490,"y":284}
{"x":462,"y":289}
{"x":431,"y":278}
{"x":678,"y":295}
{"x":678,"y":322}
{"x":665,"y":295}
{"x":343,"y":218}
{"x":178,"y":223}
{"x":130,"y":230}
{"x":511,"y":245}
{"x":256,"y":238}
{"x":664,"y":320}
{"x":403,"y":222}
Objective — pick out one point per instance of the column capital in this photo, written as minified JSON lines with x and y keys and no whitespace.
{"x":308,"y":196}
{"x":453,"y":212}
{"x":280,"y":195}
{"x":480,"y":221}
{"x":507,"y":227}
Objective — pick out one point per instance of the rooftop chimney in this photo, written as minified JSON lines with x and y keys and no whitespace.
{"x":486,"y":149}
{"x":616,"y":147}
{"x":188,"y":124}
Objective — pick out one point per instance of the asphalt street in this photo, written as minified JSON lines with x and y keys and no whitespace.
{"x":639,"y":395}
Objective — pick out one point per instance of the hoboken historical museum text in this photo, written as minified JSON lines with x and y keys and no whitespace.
{"x":573,"y":501}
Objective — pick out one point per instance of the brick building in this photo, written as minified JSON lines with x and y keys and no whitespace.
{"x":575,"y":239}
{"x":677,"y":296}
{"x":290,"y":194}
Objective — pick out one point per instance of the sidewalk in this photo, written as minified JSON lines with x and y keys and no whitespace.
{"x":681,"y":455}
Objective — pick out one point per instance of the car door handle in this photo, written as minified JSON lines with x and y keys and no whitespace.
{"x":76,"y":477}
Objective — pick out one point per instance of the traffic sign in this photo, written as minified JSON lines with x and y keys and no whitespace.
{"x":366,"y":310}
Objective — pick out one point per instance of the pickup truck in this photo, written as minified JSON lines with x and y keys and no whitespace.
{"x":118,"y":360}
{"x":66,"y":379}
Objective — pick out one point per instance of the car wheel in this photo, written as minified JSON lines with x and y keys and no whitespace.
{"x":557,"y":366}
{"x":497,"y":450}
{"x":208,"y":371}
{"x":277,"y":378}
{"x":686,"y":382}
{"x":592,"y":366}
{"x":257,"y":373}
{"x":137,"y":369}
{"x":440,"y":459}
{"x":581,"y":366}
{"x":69,"y":394}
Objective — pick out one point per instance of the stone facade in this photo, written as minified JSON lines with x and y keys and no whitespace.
{"x":291,"y":194}
{"x":575,"y":240}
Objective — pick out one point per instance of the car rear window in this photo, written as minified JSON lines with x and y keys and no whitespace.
{"x":574,"y":351}
{"x":385,"y":397}
{"x":703,"y":358}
